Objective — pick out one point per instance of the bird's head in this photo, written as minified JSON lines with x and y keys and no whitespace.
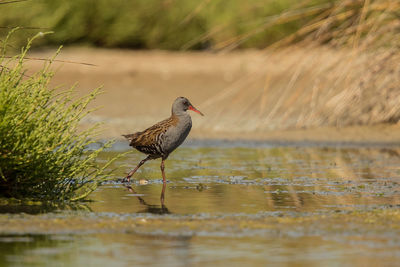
{"x":182,"y":104}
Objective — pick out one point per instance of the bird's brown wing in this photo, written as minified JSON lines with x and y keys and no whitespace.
{"x":146,"y":140}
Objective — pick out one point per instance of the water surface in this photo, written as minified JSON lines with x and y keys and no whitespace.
{"x":225,"y":204}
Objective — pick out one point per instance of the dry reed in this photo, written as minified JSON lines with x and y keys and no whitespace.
{"x":344,"y":71}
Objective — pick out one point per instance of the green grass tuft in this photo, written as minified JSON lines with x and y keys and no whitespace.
{"x":43,"y":156}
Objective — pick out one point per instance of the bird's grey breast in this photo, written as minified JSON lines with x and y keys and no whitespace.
{"x":175,"y":135}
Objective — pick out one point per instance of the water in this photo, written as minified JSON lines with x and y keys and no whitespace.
{"x":224,"y":204}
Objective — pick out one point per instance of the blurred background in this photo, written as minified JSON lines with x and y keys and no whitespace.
{"x":271,"y":69}
{"x":303,"y":76}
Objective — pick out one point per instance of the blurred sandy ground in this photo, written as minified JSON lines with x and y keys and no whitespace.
{"x":140,"y":86}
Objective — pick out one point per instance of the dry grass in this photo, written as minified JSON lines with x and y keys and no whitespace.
{"x":304,"y":88}
{"x":354,"y":80}
{"x":358,"y":23}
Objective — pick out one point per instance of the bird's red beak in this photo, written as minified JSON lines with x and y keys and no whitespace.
{"x":195,"y":110}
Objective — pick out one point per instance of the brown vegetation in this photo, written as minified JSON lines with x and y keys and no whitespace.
{"x":318,"y":87}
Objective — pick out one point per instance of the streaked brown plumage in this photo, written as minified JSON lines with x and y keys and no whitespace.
{"x":146,"y":141}
{"x":161,"y":139}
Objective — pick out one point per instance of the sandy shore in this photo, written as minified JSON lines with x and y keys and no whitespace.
{"x":139,"y":88}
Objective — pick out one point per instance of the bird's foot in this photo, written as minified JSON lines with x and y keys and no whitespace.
{"x":120,"y":180}
{"x":127,"y":179}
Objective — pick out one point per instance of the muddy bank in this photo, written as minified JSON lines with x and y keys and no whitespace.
{"x":237,"y":225}
{"x":364,"y":238}
{"x":237,"y":92}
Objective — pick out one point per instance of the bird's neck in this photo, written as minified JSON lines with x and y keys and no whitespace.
{"x":180,"y":114}
{"x":181,"y":117}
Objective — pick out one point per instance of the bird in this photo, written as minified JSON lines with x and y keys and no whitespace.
{"x":159,"y":140}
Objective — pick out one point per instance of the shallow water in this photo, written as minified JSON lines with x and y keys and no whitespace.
{"x":225,"y":204}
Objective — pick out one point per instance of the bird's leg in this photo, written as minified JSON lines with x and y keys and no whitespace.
{"x":162,"y":171}
{"x":128,"y":178}
{"x":162,"y":194}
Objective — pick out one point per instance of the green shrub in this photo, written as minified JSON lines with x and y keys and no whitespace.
{"x":199,"y":24}
{"x":43,"y":156}
{"x":151,"y":24}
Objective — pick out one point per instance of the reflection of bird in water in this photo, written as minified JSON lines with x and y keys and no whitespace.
{"x":161,"y":139}
{"x":155,"y":209}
